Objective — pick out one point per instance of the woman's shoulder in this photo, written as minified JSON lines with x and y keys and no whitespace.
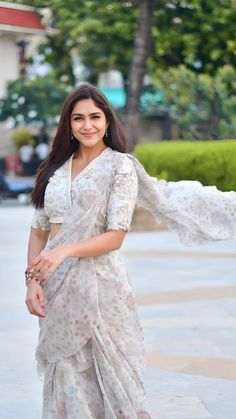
{"x":121,"y":161}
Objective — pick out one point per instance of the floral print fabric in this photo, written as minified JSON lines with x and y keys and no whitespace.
{"x":90,"y":345}
{"x":198,"y":213}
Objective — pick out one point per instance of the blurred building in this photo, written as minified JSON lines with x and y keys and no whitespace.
{"x":155,"y":123}
{"x":112,"y":85}
{"x":21,"y":30}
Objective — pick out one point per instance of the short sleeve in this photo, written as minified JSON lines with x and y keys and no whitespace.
{"x":40,"y":220}
{"x":122,"y":197}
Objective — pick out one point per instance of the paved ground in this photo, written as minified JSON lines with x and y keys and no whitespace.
{"x":187,"y":306}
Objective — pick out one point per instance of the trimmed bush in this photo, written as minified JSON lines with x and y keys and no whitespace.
{"x":22,"y":136}
{"x":210,"y":162}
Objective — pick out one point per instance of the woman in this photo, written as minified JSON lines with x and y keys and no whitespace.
{"x":90,"y":347}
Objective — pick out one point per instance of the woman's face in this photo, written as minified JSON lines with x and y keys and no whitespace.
{"x":88,"y":123}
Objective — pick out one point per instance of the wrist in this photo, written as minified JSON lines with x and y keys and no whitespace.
{"x":30,"y":278}
{"x":32,"y":282}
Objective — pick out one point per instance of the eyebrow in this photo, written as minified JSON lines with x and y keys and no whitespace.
{"x":91,"y":114}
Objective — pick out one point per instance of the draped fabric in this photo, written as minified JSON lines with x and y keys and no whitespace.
{"x":198,"y":213}
{"x":90,"y":347}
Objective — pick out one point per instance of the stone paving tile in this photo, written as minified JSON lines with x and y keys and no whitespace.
{"x":168,"y":241}
{"x":156,"y":274}
{"x":221,"y":409}
{"x":182,"y":408}
{"x":21,"y":409}
{"x":194,"y":328}
{"x":163,"y":384}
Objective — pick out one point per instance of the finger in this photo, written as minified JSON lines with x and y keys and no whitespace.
{"x":41,"y":300}
{"x":42,"y":267}
{"x":33,"y":309}
{"x":29,"y":307}
{"x":37,"y":267}
{"x":43,"y":275}
{"x":49,"y":272}
{"x":38,"y":263}
{"x":33,"y":263}
{"x":39,"y":272}
{"x":45,"y":267}
{"x":39,"y":313}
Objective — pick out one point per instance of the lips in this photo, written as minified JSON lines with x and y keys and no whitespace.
{"x":88,"y":134}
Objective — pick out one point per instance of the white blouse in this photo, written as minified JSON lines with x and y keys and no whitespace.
{"x":61,"y":191}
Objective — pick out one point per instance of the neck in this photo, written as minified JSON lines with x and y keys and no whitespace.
{"x":89,"y":153}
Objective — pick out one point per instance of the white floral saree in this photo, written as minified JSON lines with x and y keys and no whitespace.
{"x":90,"y":345}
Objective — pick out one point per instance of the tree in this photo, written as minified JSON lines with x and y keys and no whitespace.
{"x":29,"y":101}
{"x":100,"y":33}
{"x":197,"y":33}
{"x":142,"y":43}
{"x":203,"y":105}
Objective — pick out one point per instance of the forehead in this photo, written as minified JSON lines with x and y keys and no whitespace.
{"x":86,"y":107}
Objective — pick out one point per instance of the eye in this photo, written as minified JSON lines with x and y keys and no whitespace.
{"x":77,"y":118}
{"x":95,"y":116}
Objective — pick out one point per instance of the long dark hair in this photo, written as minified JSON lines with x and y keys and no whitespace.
{"x":63,"y":146}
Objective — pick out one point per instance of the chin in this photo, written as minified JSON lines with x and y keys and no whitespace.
{"x":92,"y":143}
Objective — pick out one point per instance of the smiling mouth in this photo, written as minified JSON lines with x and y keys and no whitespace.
{"x":88,"y":134}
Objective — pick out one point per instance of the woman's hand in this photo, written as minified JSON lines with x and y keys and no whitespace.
{"x":47,"y":262}
{"x":35,"y":299}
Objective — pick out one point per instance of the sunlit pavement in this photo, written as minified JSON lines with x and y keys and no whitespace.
{"x":186,"y":298}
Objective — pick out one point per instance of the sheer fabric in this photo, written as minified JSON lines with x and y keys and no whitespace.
{"x":198,"y":213}
{"x":90,"y":347}
{"x":92,"y":328}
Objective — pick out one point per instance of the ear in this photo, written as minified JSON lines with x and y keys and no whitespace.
{"x":107,"y":124}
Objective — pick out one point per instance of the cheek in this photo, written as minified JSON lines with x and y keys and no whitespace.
{"x":102,"y":125}
{"x":75,"y":125}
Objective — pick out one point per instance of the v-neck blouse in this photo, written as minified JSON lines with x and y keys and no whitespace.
{"x":59,"y":191}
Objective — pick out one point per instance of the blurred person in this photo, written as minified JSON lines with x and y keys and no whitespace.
{"x":12,"y":165}
{"x":41,"y":150}
{"x":90,"y":348}
{"x":26,"y":153}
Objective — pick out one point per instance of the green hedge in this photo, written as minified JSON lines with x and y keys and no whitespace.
{"x":210,"y":162}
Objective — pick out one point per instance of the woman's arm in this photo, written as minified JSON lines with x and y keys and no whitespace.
{"x":98,"y":245}
{"x":119,"y":211}
{"x":46,"y":263}
{"x":34,"y":298}
{"x":37,"y":241}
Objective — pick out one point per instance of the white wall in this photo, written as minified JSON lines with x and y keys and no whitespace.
{"x":9,"y":59}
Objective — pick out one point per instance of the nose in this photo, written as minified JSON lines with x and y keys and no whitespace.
{"x":87,"y":124}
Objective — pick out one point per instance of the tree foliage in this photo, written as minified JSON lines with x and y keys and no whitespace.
{"x":203,"y":105}
{"x":197,"y":33}
{"x":100,"y":33}
{"x":38,"y":100}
